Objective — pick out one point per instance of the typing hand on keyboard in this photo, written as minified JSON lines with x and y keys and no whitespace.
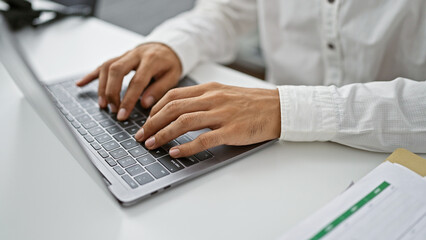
{"x":151,"y":61}
{"x":237,"y":116}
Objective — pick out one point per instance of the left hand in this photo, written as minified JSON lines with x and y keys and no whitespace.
{"x":236,"y":116}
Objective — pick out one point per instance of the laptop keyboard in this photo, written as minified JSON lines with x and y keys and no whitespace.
{"x":114,"y":140}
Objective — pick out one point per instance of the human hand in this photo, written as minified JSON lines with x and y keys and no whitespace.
{"x":236,"y":115}
{"x":151,"y":60}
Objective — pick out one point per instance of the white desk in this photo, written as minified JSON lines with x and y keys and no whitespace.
{"x":45,"y":194}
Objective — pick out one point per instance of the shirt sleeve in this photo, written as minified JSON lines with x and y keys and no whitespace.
{"x":207,"y":32}
{"x":375,"y":116}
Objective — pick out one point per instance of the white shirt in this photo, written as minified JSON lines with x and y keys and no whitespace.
{"x":343,"y":67}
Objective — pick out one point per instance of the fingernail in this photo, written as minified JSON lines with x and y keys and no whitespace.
{"x":121,"y":114}
{"x":101,"y":101}
{"x":139,"y":134}
{"x":149,"y":101}
{"x":174,"y":152}
{"x":112,"y":108}
{"x":150,"y":142}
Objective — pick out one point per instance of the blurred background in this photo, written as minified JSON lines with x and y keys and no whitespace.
{"x":142,"y":16}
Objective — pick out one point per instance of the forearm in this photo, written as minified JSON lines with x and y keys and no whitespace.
{"x":376,"y":116}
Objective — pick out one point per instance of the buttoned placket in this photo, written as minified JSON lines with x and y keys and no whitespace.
{"x":330,"y":44}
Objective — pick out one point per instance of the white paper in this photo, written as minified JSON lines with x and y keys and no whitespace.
{"x":396,"y":212}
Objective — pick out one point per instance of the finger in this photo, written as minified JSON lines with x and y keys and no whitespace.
{"x":172,"y":111}
{"x":175,"y":94}
{"x":203,"y":142}
{"x":185,"y":123}
{"x":89,"y":77}
{"x":138,"y":83}
{"x":158,"y":88}
{"x":116,"y":73}
{"x":103,"y":74}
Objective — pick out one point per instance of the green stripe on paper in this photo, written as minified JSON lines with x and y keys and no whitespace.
{"x":328,"y":228}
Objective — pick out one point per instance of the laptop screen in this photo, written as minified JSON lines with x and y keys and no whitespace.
{"x":38,"y":96}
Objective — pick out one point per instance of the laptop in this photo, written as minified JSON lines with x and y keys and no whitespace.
{"x":103,"y":146}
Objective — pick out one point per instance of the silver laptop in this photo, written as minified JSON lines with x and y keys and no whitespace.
{"x":105,"y":147}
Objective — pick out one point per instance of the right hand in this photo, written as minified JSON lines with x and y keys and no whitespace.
{"x":151,"y":60}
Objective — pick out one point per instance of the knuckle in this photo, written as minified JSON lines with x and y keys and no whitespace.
{"x":172,"y":94}
{"x":171,"y":106}
{"x":116,"y":67}
{"x":185,"y":120}
{"x":204,"y":141}
{"x":214,"y":85}
{"x":149,"y":54}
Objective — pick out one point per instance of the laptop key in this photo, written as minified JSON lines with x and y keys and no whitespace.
{"x":100,"y":117}
{"x":83,"y":118}
{"x":126,"y":162}
{"x":110,"y":161}
{"x":144,"y":179}
{"x":96,"y":131}
{"x":145,"y":160}
{"x":138,"y":151}
{"x":77,"y":112}
{"x":129,"y":144}
{"x":140,"y":122}
{"x":82,"y":131}
{"x":204,"y":155}
{"x":159,"y":152}
{"x":92,"y":94}
{"x":132,"y":130}
{"x":75,"y":124}
{"x":63,"y":111}
{"x":119,"y":170}
{"x":103,"y":153}
{"x":188,"y":161}
{"x":94,"y":111}
{"x":135,"y":170}
{"x":129,"y":181}
{"x":121,"y":136}
{"x":96,"y":145}
{"x":111,"y":145}
{"x":125,"y":123}
{"x":87,"y":104}
{"x":106,"y":123}
{"x":68,"y":104}
{"x":157,"y":170}
{"x":114,"y":129}
{"x":118,"y":153}
{"x":89,"y":125}
{"x":135,"y":115}
{"x":103,"y":138}
{"x":89,"y":138}
{"x":69,"y":118}
{"x":183,"y":139}
{"x":171,"y":164}
{"x":169,"y":145}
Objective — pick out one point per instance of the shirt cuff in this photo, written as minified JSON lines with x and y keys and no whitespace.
{"x":308,"y":113}
{"x":180,"y":43}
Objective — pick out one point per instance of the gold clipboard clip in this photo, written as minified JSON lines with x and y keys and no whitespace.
{"x":409,"y":160}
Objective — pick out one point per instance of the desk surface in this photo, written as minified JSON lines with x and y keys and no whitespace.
{"x":45,"y":194}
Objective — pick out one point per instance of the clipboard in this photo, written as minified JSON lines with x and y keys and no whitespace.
{"x":409,"y":160}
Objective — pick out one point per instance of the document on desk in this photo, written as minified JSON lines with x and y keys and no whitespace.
{"x":388,"y":203}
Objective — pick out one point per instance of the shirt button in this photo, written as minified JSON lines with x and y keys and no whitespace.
{"x":330,"y":46}
{"x":331,"y":1}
